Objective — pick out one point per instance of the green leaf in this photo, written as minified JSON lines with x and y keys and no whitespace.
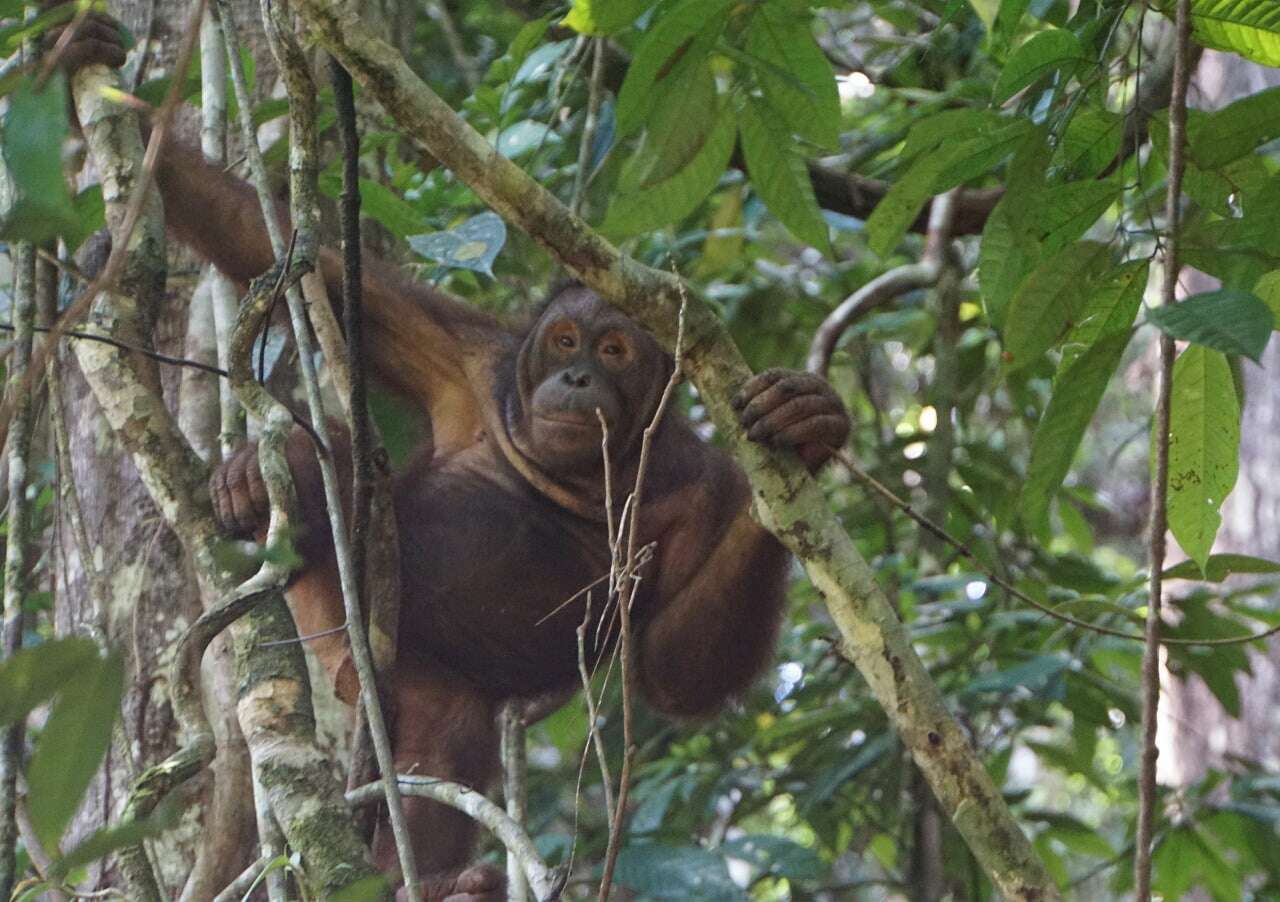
{"x":378,"y":202}
{"x":34,"y":128}
{"x":1235,"y":130}
{"x":676,"y":197}
{"x":1050,"y":300}
{"x":776,"y":856}
{"x":1268,"y":291}
{"x":660,"y":871}
{"x":798,"y":82}
{"x":1204,"y":443}
{"x":685,"y":32}
{"x":677,"y":130}
{"x":779,"y":176}
{"x":72,"y":744}
{"x":603,"y":17}
{"x":1250,"y":28}
{"x":1220,"y":566}
{"x":899,"y":207}
{"x":1233,"y":322}
{"x":1064,"y":212}
{"x":1038,"y":56}
{"x":1091,"y":142}
{"x":1111,"y":309}
{"x":1077,"y":391}
{"x":103,"y":842}
{"x":987,"y":11}
{"x":1033,"y":675}
{"x":33,"y":675}
{"x":1005,"y":257}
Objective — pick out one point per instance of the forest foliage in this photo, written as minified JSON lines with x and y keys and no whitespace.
{"x":1009,"y":401}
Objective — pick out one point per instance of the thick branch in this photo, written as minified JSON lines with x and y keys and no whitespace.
{"x":787,"y":500}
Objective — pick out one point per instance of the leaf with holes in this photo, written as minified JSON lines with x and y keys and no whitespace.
{"x":1204,"y":444}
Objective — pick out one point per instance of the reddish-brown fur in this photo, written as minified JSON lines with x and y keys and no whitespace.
{"x":502,"y":519}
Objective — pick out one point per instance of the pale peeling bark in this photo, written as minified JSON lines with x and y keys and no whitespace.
{"x":787,"y":501}
{"x":275,"y":696}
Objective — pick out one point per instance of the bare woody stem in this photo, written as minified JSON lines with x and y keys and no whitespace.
{"x":1160,"y":435}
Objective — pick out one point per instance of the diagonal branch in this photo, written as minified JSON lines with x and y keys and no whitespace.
{"x":786,"y":499}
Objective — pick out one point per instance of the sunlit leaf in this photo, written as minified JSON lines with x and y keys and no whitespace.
{"x":1250,"y":28}
{"x":603,"y":17}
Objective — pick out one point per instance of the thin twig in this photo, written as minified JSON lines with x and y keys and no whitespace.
{"x":1160,"y":479}
{"x":582,"y":177}
{"x":125,"y":346}
{"x":625,"y":596}
{"x":888,"y":495}
{"x":303,"y":185}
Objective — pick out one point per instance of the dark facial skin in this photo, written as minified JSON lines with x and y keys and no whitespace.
{"x":583,"y":356}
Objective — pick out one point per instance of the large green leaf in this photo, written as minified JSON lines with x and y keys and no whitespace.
{"x":33,"y":675}
{"x":1076,"y":394}
{"x":798,"y":82}
{"x":1007,"y":254}
{"x":677,"y":130}
{"x":1050,"y":300}
{"x":659,"y":871}
{"x":1230,"y":321}
{"x":1204,"y":442}
{"x":34,"y":127}
{"x":676,"y":197}
{"x":1268,"y":291}
{"x":779,"y":176}
{"x":1065,"y":212}
{"x":681,"y":35}
{"x":1112,"y":308}
{"x":1240,"y":128}
{"x":1250,"y":28}
{"x":1038,"y":56}
{"x":1220,"y":566}
{"x":72,"y":744}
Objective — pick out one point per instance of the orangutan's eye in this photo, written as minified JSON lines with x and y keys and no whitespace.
{"x":612,"y":350}
{"x":565,"y":341}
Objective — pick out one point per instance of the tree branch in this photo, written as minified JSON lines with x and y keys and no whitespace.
{"x":787,"y":500}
